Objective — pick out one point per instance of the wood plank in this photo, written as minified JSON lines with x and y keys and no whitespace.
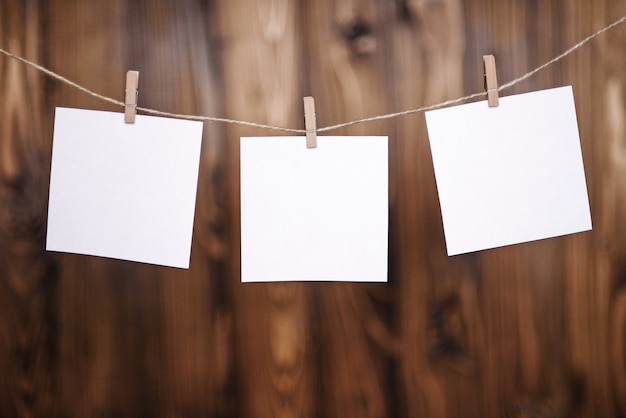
{"x":28,"y":279}
{"x":274,"y":344}
{"x":346,"y":57}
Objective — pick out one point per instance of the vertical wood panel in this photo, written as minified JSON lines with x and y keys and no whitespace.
{"x":28,"y":320}
{"x":99,"y":352}
{"x":262,"y":69}
{"x":190,"y":317}
{"x":427,"y":56}
{"x":147,"y":340}
{"x":346,"y":60}
{"x":614,"y":198}
{"x":589,"y":289}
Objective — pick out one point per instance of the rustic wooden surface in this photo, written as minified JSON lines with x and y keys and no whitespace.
{"x":532,"y":330}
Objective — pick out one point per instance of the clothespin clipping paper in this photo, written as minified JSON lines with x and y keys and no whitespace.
{"x":132,"y":93}
{"x":491,"y":80}
{"x":310,"y":123}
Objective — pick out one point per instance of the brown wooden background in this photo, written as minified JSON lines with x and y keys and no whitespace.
{"x":532,"y":330}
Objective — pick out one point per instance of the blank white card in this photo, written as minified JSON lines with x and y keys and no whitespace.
{"x":509,"y":174}
{"x":125,"y":191}
{"x":314,"y":214}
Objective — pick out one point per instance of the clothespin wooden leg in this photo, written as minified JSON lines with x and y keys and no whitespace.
{"x":491,"y":80}
{"x":310,"y":124}
{"x":132,"y":83}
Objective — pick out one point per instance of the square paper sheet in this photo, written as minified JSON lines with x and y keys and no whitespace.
{"x":509,"y":174}
{"x":317,"y":214}
{"x":121,"y":190}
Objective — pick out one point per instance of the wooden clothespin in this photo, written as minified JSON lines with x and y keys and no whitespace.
{"x":491,"y":80}
{"x":310,"y":124}
{"x":132,"y":83}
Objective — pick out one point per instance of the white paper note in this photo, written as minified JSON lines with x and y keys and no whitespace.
{"x":509,"y":174}
{"x":121,"y":190}
{"x":318,"y":214}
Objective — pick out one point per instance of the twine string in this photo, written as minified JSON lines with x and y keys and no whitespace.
{"x":440,"y":105}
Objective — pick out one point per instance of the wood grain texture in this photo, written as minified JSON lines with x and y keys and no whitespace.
{"x":262,"y":70}
{"x":28,"y":316}
{"x":531,"y":330}
{"x":347,"y":72}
